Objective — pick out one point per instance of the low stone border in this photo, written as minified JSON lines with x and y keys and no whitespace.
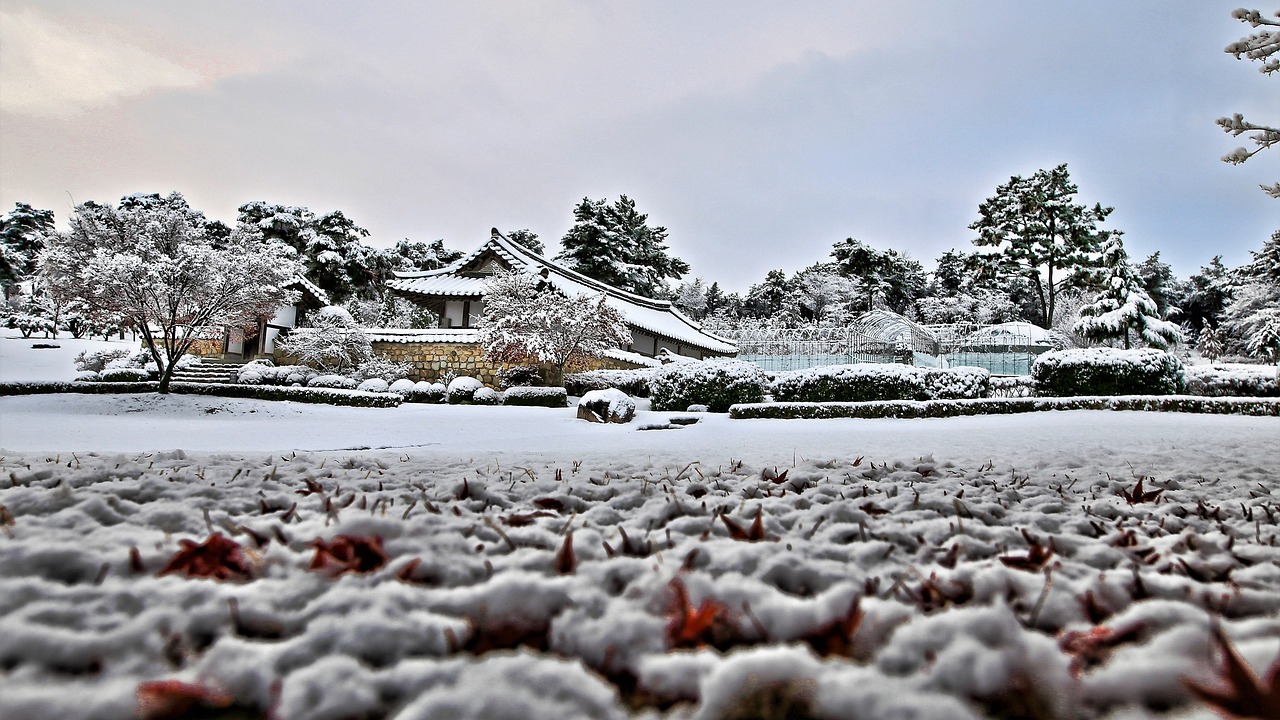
{"x":1004,"y":406}
{"x":326,"y":396}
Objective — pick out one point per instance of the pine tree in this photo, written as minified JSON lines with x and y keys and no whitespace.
{"x":1042,"y":234}
{"x":528,"y":239}
{"x":1251,"y":320}
{"x":616,"y":245}
{"x":1123,"y":310}
{"x":691,"y":298}
{"x":1211,"y":343}
{"x":22,"y":234}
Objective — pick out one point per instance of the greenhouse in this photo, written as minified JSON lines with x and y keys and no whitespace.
{"x":1004,"y":349}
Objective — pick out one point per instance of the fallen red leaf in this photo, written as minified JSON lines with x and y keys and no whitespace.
{"x":173,"y":699}
{"x":1090,"y":648}
{"x":691,"y":627}
{"x":566,"y":560}
{"x":217,"y":558}
{"x":1244,"y":695}
{"x":1138,"y":495}
{"x":753,"y":534}
{"x":1037,"y":555}
{"x":348,"y":554}
{"x":835,"y":637}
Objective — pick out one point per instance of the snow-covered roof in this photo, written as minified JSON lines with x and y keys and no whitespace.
{"x":309,"y":287}
{"x":659,"y":317}
{"x":1012,"y":333}
{"x":450,"y":335}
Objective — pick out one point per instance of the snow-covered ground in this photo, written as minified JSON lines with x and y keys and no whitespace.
{"x":998,"y":567}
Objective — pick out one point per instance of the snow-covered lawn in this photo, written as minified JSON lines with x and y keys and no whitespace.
{"x":967,"y":567}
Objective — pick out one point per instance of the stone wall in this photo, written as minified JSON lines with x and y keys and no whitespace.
{"x":431,"y":361}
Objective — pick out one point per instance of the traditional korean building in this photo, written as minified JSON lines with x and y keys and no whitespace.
{"x":456,"y":295}
{"x":235,"y":344}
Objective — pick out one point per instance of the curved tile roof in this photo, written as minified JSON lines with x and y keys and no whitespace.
{"x":659,"y":317}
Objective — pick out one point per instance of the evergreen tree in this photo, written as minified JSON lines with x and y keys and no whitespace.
{"x":885,"y":279}
{"x":22,"y":234}
{"x":1206,"y":294}
{"x":329,"y":246}
{"x":1251,"y":319}
{"x":528,"y":239}
{"x":1157,"y":279}
{"x":1043,"y":235}
{"x":691,"y":298}
{"x":1212,"y":343}
{"x":767,"y":298}
{"x":1122,"y":310}
{"x":615,"y":245}
{"x":715,"y":298}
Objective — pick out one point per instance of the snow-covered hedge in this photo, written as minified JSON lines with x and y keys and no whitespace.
{"x":97,"y":361}
{"x":714,"y":383}
{"x":860,"y":382}
{"x":265,"y":372}
{"x":374,"y":385}
{"x":958,"y":383}
{"x":486,"y":396}
{"x":423,"y":392}
{"x":88,"y":376}
{"x":339,"y":382}
{"x":1232,"y":380}
{"x":1014,"y":386}
{"x":1001,"y":406}
{"x":533,"y":396}
{"x":1108,"y":371}
{"x":124,"y":375}
{"x":461,"y":390}
{"x":632,"y":382}
{"x":325,"y":396}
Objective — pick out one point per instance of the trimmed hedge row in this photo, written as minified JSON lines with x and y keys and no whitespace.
{"x":1003,"y":406}
{"x":1233,"y":380}
{"x":349,"y":398}
{"x":1108,"y":371}
{"x":714,"y":383}
{"x":632,"y":382}
{"x":534,"y":396}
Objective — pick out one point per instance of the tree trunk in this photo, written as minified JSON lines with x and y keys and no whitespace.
{"x":165,"y":378}
{"x":556,"y":376}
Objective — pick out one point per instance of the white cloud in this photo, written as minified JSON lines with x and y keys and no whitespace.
{"x":50,"y":69}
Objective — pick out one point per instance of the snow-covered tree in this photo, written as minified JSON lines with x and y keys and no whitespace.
{"x":615,"y":245}
{"x":1263,"y":46}
{"x":156,"y":265}
{"x":1201,"y":300}
{"x":1251,"y":320}
{"x":825,"y":294}
{"x":22,"y":234}
{"x":884,"y":278}
{"x":1042,"y":234}
{"x":528,"y":239}
{"x":767,"y":299}
{"x":527,"y":320}
{"x":691,"y":298}
{"x":1212,"y":343}
{"x":390,"y":311}
{"x":332,"y":343}
{"x":1122,"y":310}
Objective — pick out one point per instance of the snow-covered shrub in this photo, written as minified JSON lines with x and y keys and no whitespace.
{"x":425,"y":392}
{"x":333,"y":343}
{"x":520,"y":376}
{"x":1015,"y":386}
{"x":135,"y":359}
{"x":1108,"y":371}
{"x":860,"y":382}
{"x":402,"y":386}
{"x":606,"y":406}
{"x":1232,"y":380}
{"x":340,"y":382}
{"x":125,"y":375}
{"x":381,"y":368}
{"x":535,"y":396}
{"x":377,"y":385}
{"x":88,"y":376}
{"x":714,"y":383}
{"x":1256,"y":407}
{"x":486,"y":396}
{"x":97,"y":360}
{"x":461,"y":389}
{"x":249,"y":377}
{"x":957,"y":383}
{"x":632,"y":382}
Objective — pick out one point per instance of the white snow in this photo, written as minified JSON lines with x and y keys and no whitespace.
{"x":913,"y":516}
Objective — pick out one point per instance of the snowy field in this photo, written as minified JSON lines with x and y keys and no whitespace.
{"x":480,"y":562}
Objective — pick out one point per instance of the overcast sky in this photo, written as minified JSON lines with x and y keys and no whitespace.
{"x":758,"y":133}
